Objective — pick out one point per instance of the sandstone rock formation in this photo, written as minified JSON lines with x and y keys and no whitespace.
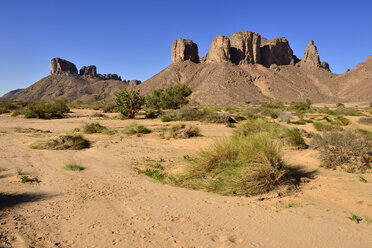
{"x":324,"y":65}
{"x":89,"y":71}
{"x":62,"y":67}
{"x":277,"y":51}
{"x":184,"y":49}
{"x":219,"y":51}
{"x":311,"y":56}
{"x":245,"y":47}
{"x":109,"y":76}
{"x":134,"y":82}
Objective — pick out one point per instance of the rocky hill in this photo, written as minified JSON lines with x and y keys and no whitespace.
{"x":64,"y":81}
{"x":247,"y":67}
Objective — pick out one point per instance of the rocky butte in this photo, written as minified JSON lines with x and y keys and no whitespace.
{"x":246,"y":67}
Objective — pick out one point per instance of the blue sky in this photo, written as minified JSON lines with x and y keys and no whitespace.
{"x":134,"y":38}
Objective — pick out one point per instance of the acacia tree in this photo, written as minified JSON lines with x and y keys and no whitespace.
{"x":128,"y":103}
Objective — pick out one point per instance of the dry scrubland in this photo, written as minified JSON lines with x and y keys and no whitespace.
{"x":267,"y":175}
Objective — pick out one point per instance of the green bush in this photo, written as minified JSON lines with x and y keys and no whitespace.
{"x":301,"y":106}
{"x":170,"y":98}
{"x":128,"y":103}
{"x":45,"y":110}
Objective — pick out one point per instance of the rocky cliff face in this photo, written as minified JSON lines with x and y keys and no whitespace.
{"x":62,"y":67}
{"x":219,"y":51}
{"x":245,"y":47}
{"x":88,"y":71}
{"x":184,"y":49}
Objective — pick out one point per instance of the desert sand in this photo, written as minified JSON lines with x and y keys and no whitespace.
{"x":110,"y":205}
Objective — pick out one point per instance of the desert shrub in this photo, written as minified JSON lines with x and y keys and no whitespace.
{"x":241,"y":165}
{"x":222,"y":118}
{"x":365,"y":120}
{"x":370,"y":104}
{"x":301,"y":106}
{"x":96,"y":128}
{"x":135,"y":128}
{"x":45,"y":110}
{"x":231,"y":125}
{"x":129,"y":102}
{"x":181,"y":131}
{"x":323,"y":126}
{"x":347,"y":112}
{"x":274,"y":105}
{"x":301,"y":122}
{"x":192,"y":114}
{"x":170,"y":98}
{"x":7,"y":107}
{"x":341,"y":121}
{"x":350,"y":150}
{"x":171,"y":117}
{"x":63,"y":142}
{"x":109,"y":108}
{"x":340,"y":105}
{"x":151,"y":113}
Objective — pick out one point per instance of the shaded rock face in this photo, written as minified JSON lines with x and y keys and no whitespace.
{"x":219,"y":51}
{"x":277,"y":51}
{"x":88,"y":71}
{"x":245,"y":48}
{"x":62,"y":67}
{"x":184,"y":49}
{"x":134,"y":82}
{"x":109,"y":76}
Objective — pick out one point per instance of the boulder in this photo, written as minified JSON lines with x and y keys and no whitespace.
{"x":324,"y":65}
{"x":245,"y":48}
{"x":62,"y":67}
{"x":311,"y":56}
{"x":219,"y":51}
{"x":184,"y":49}
{"x":88,"y":71}
{"x":277,"y":51}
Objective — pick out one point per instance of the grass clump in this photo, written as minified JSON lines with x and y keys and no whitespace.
{"x":323,"y":126}
{"x":171,"y":117}
{"x":181,"y":131}
{"x":241,"y":165}
{"x":25,"y":179}
{"x":29,"y":130}
{"x":365,"y":120}
{"x":155,"y":174}
{"x":350,"y":150}
{"x":73,"y":167}
{"x":293,"y":205}
{"x":135,"y":128}
{"x":19,"y":171}
{"x":96,"y":128}
{"x":355,"y":218}
{"x":63,"y":142}
{"x":362,"y":179}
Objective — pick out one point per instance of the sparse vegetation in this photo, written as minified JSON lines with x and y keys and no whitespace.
{"x":293,"y":205}
{"x":73,"y":167}
{"x":171,"y":117}
{"x":129,"y":102}
{"x":181,"y":131}
{"x":355,"y":218}
{"x":63,"y":142}
{"x":29,"y":130}
{"x":365,"y":120}
{"x":96,"y":128}
{"x":222,"y":118}
{"x":25,"y":179}
{"x":323,"y":126}
{"x":135,"y":128}
{"x":301,"y":106}
{"x":45,"y":110}
{"x":350,"y":150}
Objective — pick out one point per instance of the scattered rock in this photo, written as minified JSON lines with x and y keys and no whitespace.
{"x":184,"y":49}
{"x":62,"y":67}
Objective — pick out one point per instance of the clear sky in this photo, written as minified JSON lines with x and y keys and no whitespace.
{"x":134,"y":38}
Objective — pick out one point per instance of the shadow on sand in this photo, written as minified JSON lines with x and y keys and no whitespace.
{"x":11,"y":200}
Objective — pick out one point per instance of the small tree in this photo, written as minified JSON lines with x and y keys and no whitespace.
{"x":170,"y":98}
{"x":128,"y":103}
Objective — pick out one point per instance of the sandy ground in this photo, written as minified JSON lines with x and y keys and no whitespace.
{"x":110,"y":205}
